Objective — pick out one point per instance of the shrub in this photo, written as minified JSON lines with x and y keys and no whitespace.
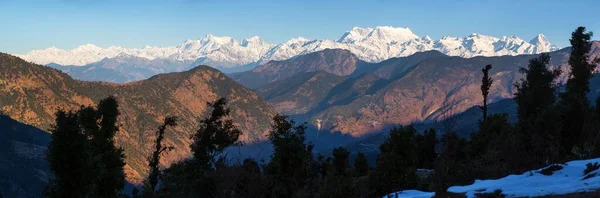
{"x":496,"y":193}
{"x":590,"y":167}
{"x":551,"y":169}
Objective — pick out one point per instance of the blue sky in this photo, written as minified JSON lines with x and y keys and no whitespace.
{"x":37,"y":24}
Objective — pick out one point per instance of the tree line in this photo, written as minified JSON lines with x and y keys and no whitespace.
{"x":552,"y":127}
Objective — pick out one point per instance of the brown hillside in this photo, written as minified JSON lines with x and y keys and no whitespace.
{"x":31,"y":94}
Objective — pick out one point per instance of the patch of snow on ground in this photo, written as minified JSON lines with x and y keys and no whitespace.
{"x":411,"y":193}
{"x":568,"y":180}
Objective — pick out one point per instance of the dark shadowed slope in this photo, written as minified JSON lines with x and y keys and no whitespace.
{"x":300,"y":93}
{"x":23,"y":167}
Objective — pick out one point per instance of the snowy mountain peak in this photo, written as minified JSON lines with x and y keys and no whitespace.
{"x":87,"y":47}
{"x":426,"y":38}
{"x":298,"y":40}
{"x":356,"y":34}
{"x":511,"y":39}
{"x":369,"y":44}
{"x":540,"y":39}
{"x":379,"y":33}
{"x":392,"y":34}
{"x":209,"y":38}
{"x":255,"y":40}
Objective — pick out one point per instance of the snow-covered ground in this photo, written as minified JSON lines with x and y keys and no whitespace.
{"x":412,"y":193}
{"x":570,"y":179}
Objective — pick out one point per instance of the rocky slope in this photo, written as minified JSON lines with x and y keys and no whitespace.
{"x":333,"y":61}
{"x":369,"y":44}
{"x":31,"y":94}
{"x":424,"y":87}
{"x":300,"y":93}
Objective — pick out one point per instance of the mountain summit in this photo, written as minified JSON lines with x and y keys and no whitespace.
{"x":228,"y":54}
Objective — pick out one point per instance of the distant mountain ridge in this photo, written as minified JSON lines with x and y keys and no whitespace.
{"x":335,"y":61}
{"x":422,"y":87}
{"x":228,"y":54}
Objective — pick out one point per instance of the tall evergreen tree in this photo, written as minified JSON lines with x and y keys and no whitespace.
{"x":538,"y":122}
{"x":154,"y":159}
{"x":395,"y":168}
{"x":574,"y":100}
{"x":491,"y":150}
{"x":537,"y":91}
{"x":100,"y":162}
{"x":486,"y":83}
{"x":361,"y":164}
{"x":69,"y":158}
{"x":291,"y":165}
{"x":450,"y":166}
{"x":340,"y":160}
{"x":197,"y":177}
{"x":111,"y":179}
{"x":426,"y":145}
{"x":215,"y":134}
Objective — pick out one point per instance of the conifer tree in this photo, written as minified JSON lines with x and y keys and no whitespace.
{"x":291,"y":165}
{"x":154,"y":159}
{"x":111,"y":179}
{"x":340,"y":160}
{"x":216,"y":133}
{"x":69,"y":158}
{"x":99,"y":162}
{"x":486,"y":83}
{"x":538,"y":123}
{"x":395,"y":168}
{"x":426,"y":145}
{"x":574,"y":100}
{"x":361,"y":164}
{"x":197,"y":177}
{"x":537,"y":91}
{"x":450,"y":166}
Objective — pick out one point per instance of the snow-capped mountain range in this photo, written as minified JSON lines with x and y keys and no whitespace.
{"x":369,"y":44}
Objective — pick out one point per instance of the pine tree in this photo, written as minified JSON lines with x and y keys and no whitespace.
{"x":426,"y":145}
{"x":154,"y":159}
{"x":197,"y":177}
{"x":111,"y":179}
{"x":91,"y":137}
{"x":216,"y":133}
{"x":395,"y":168}
{"x":537,"y":91}
{"x":491,"y":149}
{"x":249,"y":180}
{"x":538,"y":122}
{"x":574,"y":100}
{"x":340,"y":160}
{"x":292,"y":164}
{"x":486,"y":83}
{"x":361,"y":164}
{"x":450,"y":166}
{"x":69,"y":158}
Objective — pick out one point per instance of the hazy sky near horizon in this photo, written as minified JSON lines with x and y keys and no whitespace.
{"x":26,"y":25}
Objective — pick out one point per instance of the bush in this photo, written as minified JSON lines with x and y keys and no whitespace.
{"x":551,"y":169}
{"x":496,"y":193}
{"x":590,"y":167}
